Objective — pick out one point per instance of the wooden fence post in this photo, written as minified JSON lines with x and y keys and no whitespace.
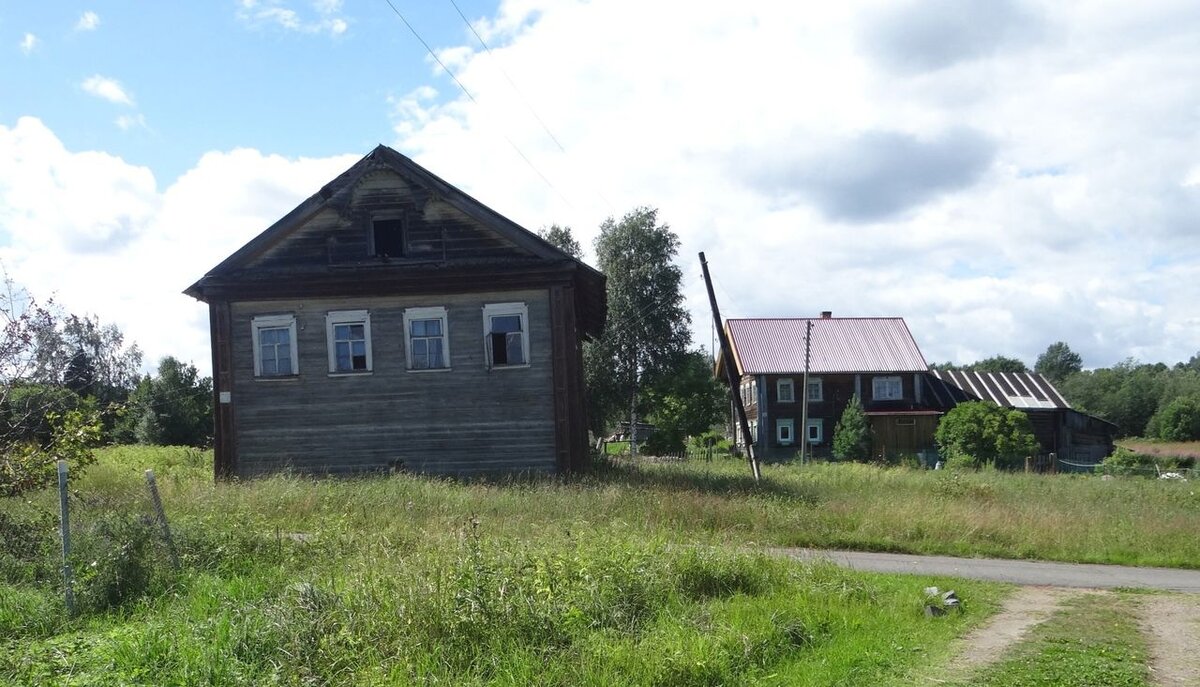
{"x":162,"y":518}
{"x":64,"y":520}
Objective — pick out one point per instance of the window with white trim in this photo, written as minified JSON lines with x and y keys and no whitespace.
{"x":816,"y":389}
{"x":348,"y":333}
{"x":887,"y":389}
{"x":506,"y":334}
{"x":816,"y":431}
{"x":785,"y":432}
{"x":426,"y":339}
{"x":785,"y":390}
{"x":274,"y":339}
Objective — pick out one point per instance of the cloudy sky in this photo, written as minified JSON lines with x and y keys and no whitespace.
{"x":1002,"y":174}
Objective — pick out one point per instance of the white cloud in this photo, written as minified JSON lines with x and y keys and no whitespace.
{"x":28,"y":43}
{"x":126,"y":122}
{"x":328,"y":16}
{"x":88,"y":21}
{"x":1001,"y":193}
{"x":107,"y":89}
{"x":100,"y":236}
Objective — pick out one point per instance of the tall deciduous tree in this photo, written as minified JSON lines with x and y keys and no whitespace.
{"x":1058,"y":362}
{"x":561,"y":238}
{"x":647,"y":330}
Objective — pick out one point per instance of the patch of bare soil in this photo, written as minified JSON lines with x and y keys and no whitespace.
{"x":1171,"y":625}
{"x":1024,"y":610}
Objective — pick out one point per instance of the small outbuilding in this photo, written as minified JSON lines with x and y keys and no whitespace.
{"x":391,"y":321}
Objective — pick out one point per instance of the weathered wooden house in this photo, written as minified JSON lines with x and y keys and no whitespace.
{"x":1076,"y":439}
{"x":873,"y":357}
{"x":878,"y":359}
{"x":391,"y":321}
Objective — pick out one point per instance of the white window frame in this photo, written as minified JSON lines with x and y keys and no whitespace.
{"x":819,"y":425}
{"x":336,"y":317}
{"x":887,"y":383}
{"x":790,"y":385}
{"x":261,"y":322}
{"x":788,"y":424}
{"x":491,"y":310}
{"x":820,"y":386}
{"x":426,"y":313}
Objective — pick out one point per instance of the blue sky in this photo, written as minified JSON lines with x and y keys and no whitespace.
{"x":1003,"y":174}
{"x":217,"y":75}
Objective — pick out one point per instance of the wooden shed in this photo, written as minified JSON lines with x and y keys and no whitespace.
{"x":391,"y":321}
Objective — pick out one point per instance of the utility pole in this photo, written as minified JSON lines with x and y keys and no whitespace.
{"x":804,"y":406}
{"x":731,"y":372}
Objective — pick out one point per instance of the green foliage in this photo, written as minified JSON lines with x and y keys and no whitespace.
{"x":982,"y":433}
{"x":28,"y":408}
{"x":27,"y":466}
{"x":1058,"y":362}
{"x":997,"y":363}
{"x":1127,"y":463}
{"x":173,"y":408}
{"x":116,"y":562}
{"x":700,"y":443}
{"x":685,"y":403}
{"x":1127,"y":394}
{"x":647,"y":329}
{"x":1178,"y":420}
{"x":852,"y":436}
{"x":561,"y":238}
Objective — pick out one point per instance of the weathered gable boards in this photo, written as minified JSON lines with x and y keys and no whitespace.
{"x":433,"y":229}
{"x":337,"y":277}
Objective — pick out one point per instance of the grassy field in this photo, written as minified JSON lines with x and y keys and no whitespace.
{"x":628,"y":576}
{"x":1167,"y":449}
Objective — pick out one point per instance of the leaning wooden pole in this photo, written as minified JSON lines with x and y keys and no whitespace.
{"x":730,"y":371}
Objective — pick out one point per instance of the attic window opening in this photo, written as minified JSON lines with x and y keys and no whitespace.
{"x":388,"y":237}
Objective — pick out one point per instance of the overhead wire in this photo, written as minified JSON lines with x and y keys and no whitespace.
{"x":471,"y":97}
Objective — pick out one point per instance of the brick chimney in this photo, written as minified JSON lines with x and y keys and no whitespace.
{"x":826,"y":314}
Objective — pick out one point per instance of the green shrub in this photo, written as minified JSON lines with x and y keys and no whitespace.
{"x":1179,"y":420}
{"x":1126,"y":462}
{"x":980,"y":433}
{"x":28,"y":465}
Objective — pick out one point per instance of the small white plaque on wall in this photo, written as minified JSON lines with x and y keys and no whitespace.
{"x":226,"y":397}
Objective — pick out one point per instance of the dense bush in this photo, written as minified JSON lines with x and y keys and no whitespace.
{"x":978,"y":433}
{"x":1126,"y":462}
{"x":27,"y":466}
{"x":1179,"y":420}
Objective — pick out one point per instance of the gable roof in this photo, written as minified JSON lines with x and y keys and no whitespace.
{"x":838,"y":345}
{"x":590,"y":283}
{"x":1024,"y":390}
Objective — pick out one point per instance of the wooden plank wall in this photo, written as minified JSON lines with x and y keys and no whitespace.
{"x":466,"y":421}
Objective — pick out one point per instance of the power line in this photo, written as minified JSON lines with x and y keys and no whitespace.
{"x":466,"y":92}
{"x":496,"y":61}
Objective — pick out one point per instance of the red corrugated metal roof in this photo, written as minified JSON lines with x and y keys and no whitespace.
{"x":839,"y":345}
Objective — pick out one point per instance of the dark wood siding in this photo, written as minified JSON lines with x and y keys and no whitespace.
{"x":340,"y":235}
{"x":468,"y":420}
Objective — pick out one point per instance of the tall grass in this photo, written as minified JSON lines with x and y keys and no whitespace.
{"x":630,"y":575}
